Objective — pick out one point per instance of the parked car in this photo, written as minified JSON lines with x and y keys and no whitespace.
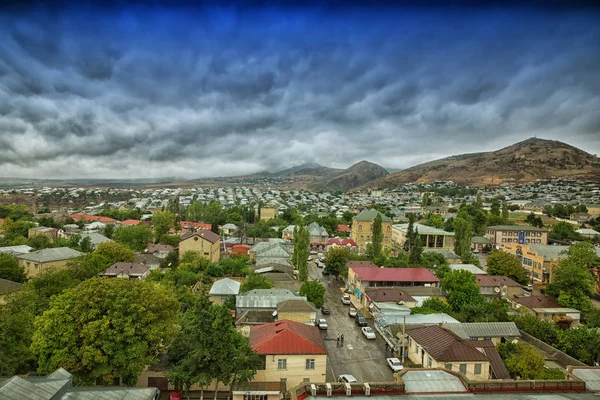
{"x":368,"y":332}
{"x":309,"y":258}
{"x":325,"y":310}
{"x":360,"y":319}
{"x":346,"y":300}
{"x":321,"y":323}
{"x":395,"y":364}
{"x":312,"y":252}
{"x":352,"y":312}
{"x":529,"y":287}
{"x":347,"y":378}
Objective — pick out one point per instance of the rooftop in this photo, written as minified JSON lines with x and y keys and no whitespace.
{"x":484,"y":329}
{"x":370,"y":214}
{"x":424,"y":230}
{"x":286,"y":337}
{"x":468,"y":267}
{"x":443,"y":345}
{"x":388,"y":295}
{"x":516,"y":228}
{"x":127,"y":268}
{"x":49,"y":255}
{"x":225,"y":287}
{"x":537,"y":301}
{"x":495,"y":280}
{"x":368,"y":274}
{"x":204,"y":233}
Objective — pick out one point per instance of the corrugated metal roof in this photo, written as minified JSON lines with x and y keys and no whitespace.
{"x":368,"y":274}
{"x":264,"y":298}
{"x":225,"y":287}
{"x":295,"y":305}
{"x":443,"y":345}
{"x":424,"y":230}
{"x":591,"y":376}
{"x":16,"y":249}
{"x":17,"y":388}
{"x":495,"y":281}
{"x":370,"y":214}
{"x":418,"y":319}
{"x":537,"y":301}
{"x":468,"y":267}
{"x":49,"y":255}
{"x":484,"y":329}
{"x":287,"y":337}
{"x":432,"y":381}
{"x":111,"y":393}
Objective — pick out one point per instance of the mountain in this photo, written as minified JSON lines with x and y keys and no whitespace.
{"x":350,"y":178}
{"x":522,"y":162}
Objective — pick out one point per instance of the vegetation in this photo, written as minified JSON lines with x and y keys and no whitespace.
{"x":463,"y":233}
{"x":301,"y":244}
{"x":314,"y":292}
{"x":523,"y":361}
{"x":505,"y":264}
{"x":255,"y":281}
{"x":136,"y":237}
{"x":10,"y":269}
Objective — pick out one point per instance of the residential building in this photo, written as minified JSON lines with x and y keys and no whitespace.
{"x":223,"y":289}
{"x":150,"y":260}
{"x":547,"y":307}
{"x":50,"y":233}
{"x":289,"y":350}
{"x":229,"y":229}
{"x":159,"y":250}
{"x":288,"y":232}
{"x":387,"y":295}
{"x":497,"y":332}
{"x":317,"y":234}
{"x":7,"y":287}
{"x":263,"y":299}
{"x":362,"y":229}
{"x":96,"y":238}
{"x":588,"y":233}
{"x":539,"y":260}
{"x":430,"y":236}
{"x":593,"y":209}
{"x":436,"y":347}
{"x":204,"y":242}
{"x":581,"y":217}
{"x":344,"y":228}
{"x":475,"y":270}
{"x":267,"y":213}
{"x":501,"y":234}
{"x":361,"y":278}
{"x":126,"y":270}
{"x":338,"y":242}
{"x":497,"y":286}
{"x":298,"y":310}
{"x":14,"y":250}
{"x":40,"y":261}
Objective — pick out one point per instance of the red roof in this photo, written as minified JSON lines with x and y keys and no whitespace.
{"x":370,"y":274}
{"x":85,"y":217}
{"x":240,"y":248}
{"x":130,"y":222}
{"x":191,"y":224}
{"x":343,"y":242}
{"x":286,"y":337}
{"x":343,"y":228}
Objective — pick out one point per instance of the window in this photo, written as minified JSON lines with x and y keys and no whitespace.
{"x":448,"y":367}
{"x":503,"y":240}
{"x":310,"y":363}
{"x":255,"y":396}
{"x":359,"y":228}
{"x":282,"y":363}
{"x":477,"y":369}
{"x":462,"y":368}
{"x":503,"y":233}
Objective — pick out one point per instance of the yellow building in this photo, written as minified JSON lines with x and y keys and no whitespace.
{"x":267,"y":213}
{"x":539,"y":260}
{"x":289,"y":350}
{"x":501,"y":234}
{"x":204,"y":242}
{"x":362,"y":229}
{"x":430,"y":237}
{"x":593,"y":209}
{"x":40,"y":261}
{"x":297,"y":310}
{"x":51,"y":233}
{"x":436,"y":347}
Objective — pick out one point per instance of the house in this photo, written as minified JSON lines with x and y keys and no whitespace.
{"x":468,"y":267}
{"x":204,"y":242}
{"x":263,"y":299}
{"x":59,"y":386}
{"x":581,"y":217}
{"x":130,"y":222}
{"x":317,"y":235}
{"x":14,"y":250}
{"x":437,"y":347}
{"x":229,"y":229}
{"x":547,"y":307}
{"x":159,"y":250}
{"x":387,"y":295}
{"x":337,"y":242}
{"x":588,"y":233}
{"x":92,"y":218}
{"x":298,"y":310}
{"x":497,"y":332}
{"x":362,"y":229}
{"x":289,"y":350}
{"x":50,"y":233}
{"x":147,"y":259}
{"x":96,"y":238}
{"x":500,"y":234}
{"x":240,"y":249}
{"x":430,"y":237}
{"x":479,"y":243}
{"x":95,"y":226}
{"x":593,"y":209}
{"x":343,"y":228}
{"x":222,"y":289}
{"x":268,"y":212}
{"x":40,"y":261}
{"x":361,"y":278}
{"x":7,"y":287}
{"x":288,"y":232}
{"x":126,"y":270}
{"x":497,"y":286}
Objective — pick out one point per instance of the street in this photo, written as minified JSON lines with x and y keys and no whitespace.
{"x":362,"y":358}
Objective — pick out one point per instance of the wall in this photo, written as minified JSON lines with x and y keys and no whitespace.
{"x":551,"y":352}
{"x":362,"y":233}
{"x":201,"y":246}
{"x":302,"y":317}
{"x":267,"y":213}
{"x":35,"y":268}
{"x":296,"y":369}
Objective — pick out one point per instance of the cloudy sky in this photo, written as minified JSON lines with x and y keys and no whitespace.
{"x":151,"y":91}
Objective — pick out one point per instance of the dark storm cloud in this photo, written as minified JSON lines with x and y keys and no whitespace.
{"x":159,"y":90}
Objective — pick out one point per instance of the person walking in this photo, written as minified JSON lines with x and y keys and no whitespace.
{"x":386,"y":347}
{"x":329,"y":283}
{"x":342,"y":338}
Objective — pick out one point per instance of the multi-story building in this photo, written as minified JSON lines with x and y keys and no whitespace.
{"x":539,"y":260}
{"x":362,"y":229}
{"x":430,"y":236}
{"x":204,"y":242}
{"x":501,"y":234}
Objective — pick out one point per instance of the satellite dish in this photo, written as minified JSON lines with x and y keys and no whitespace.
{"x":274,"y":313}
{"x":497,"y":290}
{"x":503,"y":293}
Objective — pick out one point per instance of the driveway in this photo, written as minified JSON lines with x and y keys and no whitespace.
{"x":365,"y":359}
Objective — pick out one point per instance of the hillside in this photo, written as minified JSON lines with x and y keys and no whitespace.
{"x":355,"y":176}
{"x":522,"y":162}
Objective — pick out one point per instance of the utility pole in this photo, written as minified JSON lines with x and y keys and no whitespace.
{"x":403,"y":330}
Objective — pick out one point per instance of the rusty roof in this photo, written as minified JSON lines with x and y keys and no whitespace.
{"x":204,"y":233}
{"x":388,"y":295}
{"x":443,"y":345}
{"x":537,"y":301}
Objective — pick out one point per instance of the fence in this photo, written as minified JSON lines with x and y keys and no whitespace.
{"x":552,"y":352}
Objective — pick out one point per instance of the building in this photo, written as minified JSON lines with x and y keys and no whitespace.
{"x":497,"y":286}
{"x":501,"y":234}
{"x":40,"y":261}
{"x":430,"y":236}
{"x":581,"y":217}
{"x":268,"y":212}
{"x":387,"y":295}
{"x":337,"y":242}
{"x":14,"y":250}
{"x":297,"y":310}
{"x":290,"y":350}
{"x":7,"y":287}
{"x":50,"y":233}
{"x":479,"y":243}
{"x":96,"y":238}
{"x":588,"y":233}
{"x":437,"y":347}
{"x":150,"y":260}
{"x":229,"y":229}
{"x":59,"y":386}
{"x":288,"y":232}
{"x":475,"y":270}
{"x":223,"y":289}
{"x":593,"y":209}
{"x":362,"y":229}
{"x":361,"y":278}
{"x":547,"y":307}
{"x":126,"y":270}
{"x":159,"y":250}
{"x":539,"y":260}
{"x":317,"y":235}
{"x":263,"y":300}
{"x":204,"y":242}
{"x":497,"y":332}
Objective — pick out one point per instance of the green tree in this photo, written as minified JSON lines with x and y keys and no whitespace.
{"x":505,"y":214}
{"x":522,"y":360}
{"x":377,"y":238}
{"x":495,"y":208}
{"x":109,"y":230}
{"x":301,"y":252}
{"x":416,"y":250}
{"x":135,"y":237}
{"x":543,"y":329}
{"x":433,"y":305}
{"x":463,"y":233}
{"x":435,"y":220}
{"x":104,"y":256}
{"x":336,"y":260}
{"x":16,"y":330}
{"x":255,"y":281}
{"x":436,"y":263}
{"x":314,"y":292}
{"x":461,"y":289}
{"x":505,"y":264}
{"x":86,"y":245}
{"x":582,"y":342}
{"x":564,"y":231}
{"x":162,"y":221}
{"x":10,"y":269}
{"x":410,"y":232}
{"x":39,"y":242}
{"x":105,"y":328}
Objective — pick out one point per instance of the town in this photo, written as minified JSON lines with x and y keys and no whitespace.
{"x":252,"y":292}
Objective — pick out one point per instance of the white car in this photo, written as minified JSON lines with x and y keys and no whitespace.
{"x":346,"y":300}
{"x":347,"y":378}
{"x":395,"y":364}
{"x":321,"y":323}
{"x":352,"y":312}
{"x":368,"y":332}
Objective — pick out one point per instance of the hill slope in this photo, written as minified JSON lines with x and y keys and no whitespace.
{"x":525,"y":161}
{"x":355,"y":176}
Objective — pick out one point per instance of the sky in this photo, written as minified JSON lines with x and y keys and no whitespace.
{"x":169,"y":89}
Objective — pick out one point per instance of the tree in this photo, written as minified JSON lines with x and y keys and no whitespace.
{"x":582,"y":342}
{"x":255,"y":281}
{"x":435,"y":220}
{"x":564,"y":231}
{"x":522,"y":360}
{"x":314,"y":292}
{"x":86,"y":245}
{"x":10,"y":269}
{"x":432,"y":305}
{"x":543,"y":329}
{"x":301,"y":251}
{"x":495,"y":208}
{"x":410,"y":232}
{"x":109,"y":230}
{"x":135,"y":237}
{"x":505,"y":264}
{"x":162,"y":221}
{"x":436,"y":263}
{"x":463,"y":234}
{"x":105,"y":328}
{"x":461,"y":288}
{"x":504,"y":212}
{"x":377,"y":238}
{"x":104,"y":256}
{"x":336,"y":260}
{"x":416,"y":250}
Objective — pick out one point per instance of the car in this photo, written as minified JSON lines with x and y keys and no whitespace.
{"x":309,"y":258}
{"x":346,"y":300}
{"x":312,"y":252}
{"x":321,"y":324}
{"x":368,"y":332}
{"x":360,"y":319}
{"x":347,"y":378}
{"x":352,"y":312}
{"x":395,"y":364}
{"x":325,"y":310}
{"x":529,"y":287}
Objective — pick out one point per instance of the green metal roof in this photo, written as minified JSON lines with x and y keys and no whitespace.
{"x":370,"y":214}
{"x":480,"y":240}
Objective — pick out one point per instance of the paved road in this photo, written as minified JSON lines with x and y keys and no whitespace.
{"x":365,"y":359}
